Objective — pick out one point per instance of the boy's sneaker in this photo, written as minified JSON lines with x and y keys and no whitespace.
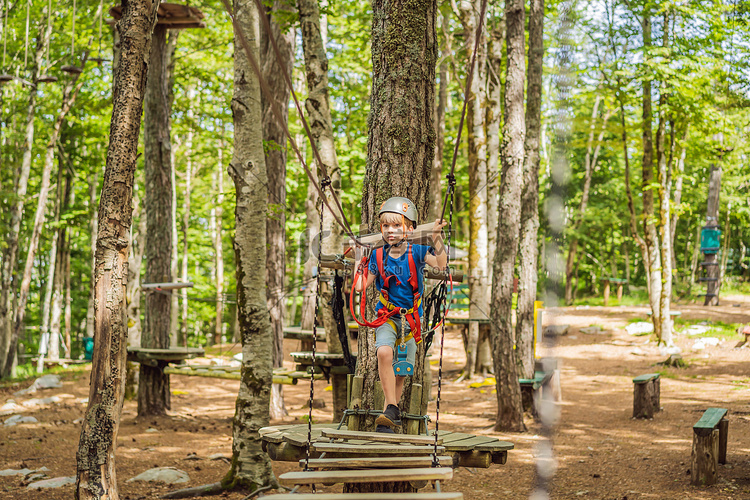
{"x":391,"y":417}
{"x":384,"y":429}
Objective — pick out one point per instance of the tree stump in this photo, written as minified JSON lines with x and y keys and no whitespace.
{"x":646,"y":395}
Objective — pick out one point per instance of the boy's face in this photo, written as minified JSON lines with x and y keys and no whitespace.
{"x":392,"y":228}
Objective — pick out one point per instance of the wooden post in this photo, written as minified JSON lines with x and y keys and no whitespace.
{"x":723,"y":437}
{"x":355,"y":401}
{"x":704,"y":458}
{"x":619,"y":292}
{"x":415,"y":408}
{"x":606,"y":293}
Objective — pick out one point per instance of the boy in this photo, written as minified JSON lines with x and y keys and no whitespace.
{"x":397,"y":271}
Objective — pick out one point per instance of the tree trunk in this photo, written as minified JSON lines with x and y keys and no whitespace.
{"x":96,"y":476}
{"x":710,"y":260}
{"x":310,"y":258}
{"x":678,"y":179}
{"x":182,"y":334}
{"x":318,"y":109}
{"x":153,"y":390}
{"x":589,"y":162}
{"x":479,"y":273}
{"x":68,"y":99}
{"x":401,"y":138}
{"x":10,"y":254}
{"x":219,"y":243}
{"x":528,"y":248}
{"x":250,"y":468}
{"x":664,"y":180}
{"x":653,"y":262}
{"x":93,"y":229}
{"x":274,"y":137}
{"x":509,"y":404}
{"x":436,"y":196}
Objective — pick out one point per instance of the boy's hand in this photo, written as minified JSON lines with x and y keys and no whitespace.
{"x":437,"y":229}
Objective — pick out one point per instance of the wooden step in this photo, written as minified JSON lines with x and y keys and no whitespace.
{"x":369,"y":496}
{"x":376,"y":462}
{"x":381,"y":437}
{"x":376,"y":449}
{"x":366,"y":476}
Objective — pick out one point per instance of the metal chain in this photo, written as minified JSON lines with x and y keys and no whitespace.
{"x":314,"y":344}
{"x":451,"y":185}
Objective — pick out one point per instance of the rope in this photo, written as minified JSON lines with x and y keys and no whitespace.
{"x":451,"y":187}
{"x":337,"y":305}
{"x":277,"y":114}
{"x":469,"y":78}
{"x":314,"y":344}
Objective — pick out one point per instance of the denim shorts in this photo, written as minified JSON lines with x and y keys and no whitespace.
{"x":385,"y":335}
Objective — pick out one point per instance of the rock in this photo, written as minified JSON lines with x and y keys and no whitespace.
{"x":670,"y":350}
{"x":43,"y":382}
{"x":56,"y":482}
{"x":41,"y":401}
{"x":556,"y":330}
{"x":593,"y":330}
{"x":15,"y":472}
{"x":701,"y":344}
{"x":638,"y":352}
{"x":20,"y":419}
{"x":696,"y":329}
{"x":10,"y":407}
{"x":640,"y":328}
{"x":238,"y":356}
{"x":168,"y":475}
{"x":151,"y":430}
{"x":218,"y":456}
{"x":36,"y":476}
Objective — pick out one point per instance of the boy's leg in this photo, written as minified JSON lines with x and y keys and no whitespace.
{"x":387,"y":378}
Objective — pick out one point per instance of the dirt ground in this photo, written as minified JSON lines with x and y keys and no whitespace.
{"x":601,"y":453}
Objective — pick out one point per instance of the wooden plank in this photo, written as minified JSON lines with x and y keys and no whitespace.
{"x":380,"y":437}
{"x":495,"y":446}
{"x":366,"y":476}
{"x":642,"y":379}
{"x":710,"y":419}
{"x":469,"y":444}
{"x":377,"y":462}
{"x":370,"y":496}
{"x":367,"y":449}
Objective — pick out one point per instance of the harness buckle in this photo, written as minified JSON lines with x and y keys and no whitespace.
{"x":403,"y":311}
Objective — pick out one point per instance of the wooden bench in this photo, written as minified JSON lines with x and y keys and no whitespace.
{"x":531,"y":389}
{"x":709,"y":446}
{"x":646,"y":395}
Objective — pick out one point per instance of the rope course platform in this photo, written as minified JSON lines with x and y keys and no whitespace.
{"x":157,"y":357}
{"x":287,"y":443}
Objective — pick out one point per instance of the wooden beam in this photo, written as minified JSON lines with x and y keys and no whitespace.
{"x":366,"y":476}
{"x":377,"y":462}
{"x":380,"y":437}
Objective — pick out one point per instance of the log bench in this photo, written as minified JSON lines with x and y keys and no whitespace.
{"x":646,"y":395}
{"x":709,"y":446}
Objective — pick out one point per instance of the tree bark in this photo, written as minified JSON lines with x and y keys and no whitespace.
{"x":93,"y":229}
{"x":219,"y":243}
{"x":401,"y":138}
{"x":96,"y":476}
{"x":274,"y":137}
{"x":479,"y":273}
{"x":509,"y":404}
{"x":678,"y":180}
{"x":318,"y":109}
{"x":710,"y":260}
{"x":653,"y":262}
{"x":436,"y":198}
{"x":251,"y":467}
{"x":10,"y":254}
{"x":528,"y":247}
{"x":153,"y":390}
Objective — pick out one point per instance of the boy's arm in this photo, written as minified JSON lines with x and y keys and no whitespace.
{"x":370,"y":277}
{"x":440,"y":259}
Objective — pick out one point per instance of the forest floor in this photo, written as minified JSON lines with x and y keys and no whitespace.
{"x":600,"y":451}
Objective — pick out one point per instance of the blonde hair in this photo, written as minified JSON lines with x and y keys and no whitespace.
{"x":394,"y":218}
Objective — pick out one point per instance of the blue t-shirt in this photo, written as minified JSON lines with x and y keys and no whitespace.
{"x":400,"y":292}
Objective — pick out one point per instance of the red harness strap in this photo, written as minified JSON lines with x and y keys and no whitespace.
{"x":413,"y":316}
{"x":384,"y":314}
